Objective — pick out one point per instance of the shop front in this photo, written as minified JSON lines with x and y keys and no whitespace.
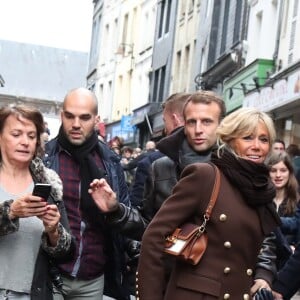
{"x":282,"y":101}
{"x":123,"y":129}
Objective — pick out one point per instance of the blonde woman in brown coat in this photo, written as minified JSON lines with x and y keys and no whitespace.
{"x":243,"y":215}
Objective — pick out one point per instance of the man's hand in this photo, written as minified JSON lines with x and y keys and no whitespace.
{"x":277,"y":296}
{"x":259,"y":284}
{"x":103,"y":195}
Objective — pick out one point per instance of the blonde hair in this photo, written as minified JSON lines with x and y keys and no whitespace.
{"x":243,"y":122}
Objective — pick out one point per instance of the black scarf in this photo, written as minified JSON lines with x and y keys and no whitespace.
{"x":88,"y":171}
{"x":253,"y":181}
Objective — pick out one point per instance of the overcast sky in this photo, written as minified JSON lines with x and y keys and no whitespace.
{"x":56,"y":23}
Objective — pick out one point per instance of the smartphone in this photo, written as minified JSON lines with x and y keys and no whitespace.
{"x":42,"y":190}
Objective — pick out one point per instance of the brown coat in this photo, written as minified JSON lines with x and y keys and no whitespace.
{"x":234,"y":240}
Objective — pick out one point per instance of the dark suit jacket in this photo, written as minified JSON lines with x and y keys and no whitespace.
{"x":288,"y":281}
{"x":141,"y":175}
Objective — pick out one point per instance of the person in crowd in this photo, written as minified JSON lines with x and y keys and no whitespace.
{"x":150,"y":147}
{"x":244,"y":212}
{"x":173,"y":118}
{"x":183,"y":146}
{"x":287,"y":197}
{"x":136,"y":152}
{"x":126,"y":152}
{"x":278,"y":146}
{"x":126,"y":158}
{"x":194,"y":142}
{"x":33,"y":230}
{"x":79,"y":157}
{"x":287,"y":282}
{"x":46,"y":128}
{"x":294,"y":152}
{"x":116,"y":144}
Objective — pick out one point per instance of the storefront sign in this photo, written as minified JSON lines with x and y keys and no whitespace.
{"x":284,"y":91}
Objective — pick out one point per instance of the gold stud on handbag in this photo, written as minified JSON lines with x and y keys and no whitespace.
{"x":189,"y":242}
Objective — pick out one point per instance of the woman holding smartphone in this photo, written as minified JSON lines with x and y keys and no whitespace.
{"x":32,"y":229}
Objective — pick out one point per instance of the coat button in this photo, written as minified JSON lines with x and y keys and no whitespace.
{"x":226,"y":296}
{"x":226,"y":270}
{"x":249,"y":272}
{"x":246,"y":297}
{"x":223,"y":218}
{"x":227,"y":244}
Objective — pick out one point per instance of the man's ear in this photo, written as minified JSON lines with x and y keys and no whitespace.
{"x":97,"y":119}
{"x":177,"y":120}
{"x":61,"y":114}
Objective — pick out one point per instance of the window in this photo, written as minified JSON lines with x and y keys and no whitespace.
{"x":292,"y":36}
{"x":94,"y":51}
{"x":293,"y":31}
{"x":125,"y":29}
{"x":165,"y":15}
{"x":237,"y":21}
{"x":214,"y":34}
{"x":191,"y":5}
{"x":168,"y":15}
{"x":159,"y":82}
{"x":225,"y":27}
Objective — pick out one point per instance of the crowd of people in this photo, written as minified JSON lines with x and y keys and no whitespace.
{"x":102,"y":229}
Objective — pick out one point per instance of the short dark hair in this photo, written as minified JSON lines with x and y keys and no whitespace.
{"x":293,"y":150}
{"x":206,"y":97}
{"x":279,"y":141}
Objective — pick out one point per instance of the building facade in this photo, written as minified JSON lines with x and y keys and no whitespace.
{"x":245,"y":50}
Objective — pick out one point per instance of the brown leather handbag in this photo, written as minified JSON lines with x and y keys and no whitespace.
{"x":189,"y":242}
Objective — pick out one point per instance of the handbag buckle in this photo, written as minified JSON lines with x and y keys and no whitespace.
{"x":203,"y":225}
{"x":171,"y":238}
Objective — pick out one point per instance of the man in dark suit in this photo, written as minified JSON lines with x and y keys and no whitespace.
{"x":288,"y":280}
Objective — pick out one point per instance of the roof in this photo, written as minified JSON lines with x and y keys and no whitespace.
{"x":41,"y":72}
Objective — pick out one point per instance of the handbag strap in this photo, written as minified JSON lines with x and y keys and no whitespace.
{"x":215,"y":192}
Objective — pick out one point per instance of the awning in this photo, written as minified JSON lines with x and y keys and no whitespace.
{"x":219,"y":71}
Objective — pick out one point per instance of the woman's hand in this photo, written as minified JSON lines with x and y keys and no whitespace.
{"x":259,"y":284}
{"x":27,"y":206}
{"x":103,"y":195}
{"x":50,"y":220}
